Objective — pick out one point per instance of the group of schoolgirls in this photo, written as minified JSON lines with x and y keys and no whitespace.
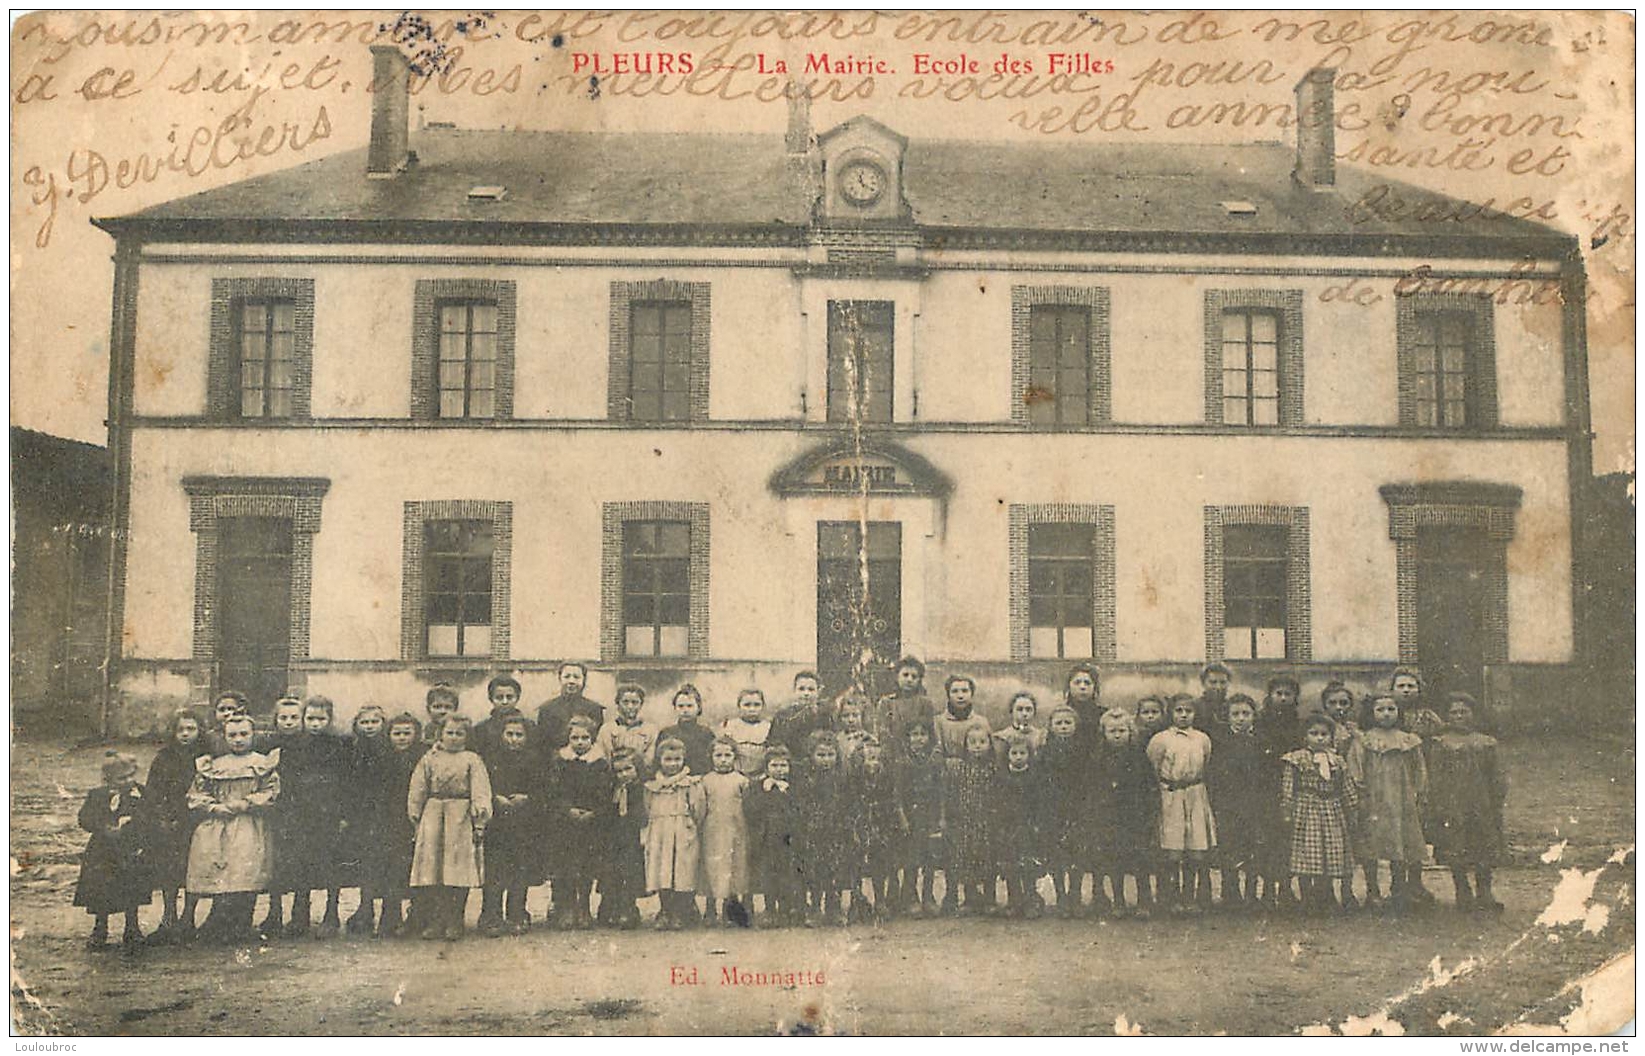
{"x":826,"y":813}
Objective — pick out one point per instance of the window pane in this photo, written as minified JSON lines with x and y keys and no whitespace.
{"x":1264,"y":357}
{"x":477,"y":639}
{"x":279,"y":403}
{"x":1043,"y":610}
{"x":1456,"y":414}
{"x":837,"y":541}
{"x":1427,"y":413}
{"x":674,"y":538}
{"x":1456,"y":387}
{"x":1265,"y":384}
{"x":1425,"y":386}
{"x":481,"y":404}
{"x":1063,"y":540}
{"x":676,"y":407}
{"x":1042,"y":642}
{"x":1234,"y":410}
{"x":1264,"y":327}
{"x":1072,"y":410}
{"x":483,"y":318}
{"x":1233,"y":383}
{"x":253,"y":318}
{"x":442,"y":639}
{"x":1077,"y":641}
{"x":646,"y":406}
{"x":1425,"y":357}
{"x":1453,"y":360}
{"x":675,"y":641}
{"x":1234,"y":357}
{"x":251,"y":403}
{"x":640,"y":641}
{"x":1271,"y":643}
{"x":285,"y":316}
{"x":673,"y":609}
{"x":1233,"y":327}
{"x":1265,"y":412}
{"x":483,"y":347}
{"x":1236,"y":643}
{"x":451,"y":404}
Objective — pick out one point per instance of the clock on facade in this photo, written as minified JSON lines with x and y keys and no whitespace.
{"x":862,"y":182}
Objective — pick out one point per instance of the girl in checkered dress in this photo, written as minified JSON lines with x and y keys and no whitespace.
{"x":1318,"y":798}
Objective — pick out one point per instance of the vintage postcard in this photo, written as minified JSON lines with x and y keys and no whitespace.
{"x":832,"y":522}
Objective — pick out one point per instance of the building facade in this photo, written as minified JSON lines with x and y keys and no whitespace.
{"x":721,"y":408}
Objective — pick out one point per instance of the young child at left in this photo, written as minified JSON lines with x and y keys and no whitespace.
{"x":1188,"y":831}
{"x":113,"y":876}
{"x":725,"y":838}
{"x":167,"y":824}
{"x":231,"y":855}
{"x":449,"y":800}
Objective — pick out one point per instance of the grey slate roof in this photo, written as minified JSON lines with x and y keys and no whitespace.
{"x":746,"y":180}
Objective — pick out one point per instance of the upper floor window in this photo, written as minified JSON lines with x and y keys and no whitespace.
{"x":1059,"y":379}
{"x":658,"y":359}
{"x":860,"y":359}
{"x":1253,"y":358}
{"x":462,"y":363}
{"x":1250,"y":366}
{"x":659,"y":378}
{"x":1447,"y":361}
{"x":262,"y":348}
{"x":468,"y":359}
{"x":267,"y":350}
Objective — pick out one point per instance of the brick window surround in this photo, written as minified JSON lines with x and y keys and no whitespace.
{"x":412,"y":624}
{"x":623,"y":296}
{"x":1299,"y":643}
{"x":211,"y":499}
{"x":223,"y":370}
{"x":425,"y":347}
{"x":1288,"y":303}
{"x":1482,"y":381}
{"x":1461,"y":504}
{"x":613,"y":515}
{"x":1101,"y":519}
{"x":1023,"y":301}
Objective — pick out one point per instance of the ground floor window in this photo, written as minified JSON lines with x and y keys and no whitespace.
{"x":456,"y":599}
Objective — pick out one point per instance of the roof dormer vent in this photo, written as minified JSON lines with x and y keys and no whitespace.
{"x":487,"y":193}
{"x":1240,"y":208}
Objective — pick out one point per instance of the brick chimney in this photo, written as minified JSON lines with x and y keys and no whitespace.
{"x":390,"y":113}
{"x":1316,"y":129}
{"x":799,"y":139}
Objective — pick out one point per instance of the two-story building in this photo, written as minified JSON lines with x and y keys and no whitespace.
{"x":722,"y":407}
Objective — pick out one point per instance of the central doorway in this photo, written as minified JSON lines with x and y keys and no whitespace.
{"x":1452,"y":600}
{"x":859,"y":604}
{"x":254,"y":607}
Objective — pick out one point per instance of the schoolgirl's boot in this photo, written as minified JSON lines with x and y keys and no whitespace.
{"x":1485,"y":901}
{"x":491,"y":911}
{"x":273,"y":923}
{"x":1417,"y":891}
{"x":362,"y":922}
{"x":1399,"y":900}
{"x":99,"y":934}
{"x":389,"y":924}
{"x":457,"y":905}
{"x":331,"y":924}
{"x":300,"y":924}
{"x":1464,"y":891}
{"x":131,"y":936}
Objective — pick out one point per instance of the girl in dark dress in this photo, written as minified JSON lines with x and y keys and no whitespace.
{"x":622,"y":865}
{"x":369,"y":751}
{"x":879,"y":823}
{"x":1124,"y":805}
{"x":1239,"y":795}
{"x":387,"y":836}
{"x":167,"y":824}
{"x":921,"y":770}
{"x":773,"y":829}
{"x":1279,"y":731}
{"x":314,"y":778}
{"x":113,"y":877}
{"x":1466,"y":792}
{"x":519,"y":807}
{"x":288,"y":731}
{"x":581,"y":795}
{"x":1064,"y":764}
{"x":825,"y":831}
{"x":1018,"y":830}
{"x":973,"y":796}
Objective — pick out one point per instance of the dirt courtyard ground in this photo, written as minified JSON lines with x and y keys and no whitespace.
{"x":1571,"y":803}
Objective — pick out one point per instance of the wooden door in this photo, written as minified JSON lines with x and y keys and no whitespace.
{"x":254,"y":607}
{"x":1452,"y":582}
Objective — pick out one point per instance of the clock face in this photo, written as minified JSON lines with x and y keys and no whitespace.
{"x":862,"y":183}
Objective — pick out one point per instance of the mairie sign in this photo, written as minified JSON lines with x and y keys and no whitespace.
{"x":879,"y":468}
